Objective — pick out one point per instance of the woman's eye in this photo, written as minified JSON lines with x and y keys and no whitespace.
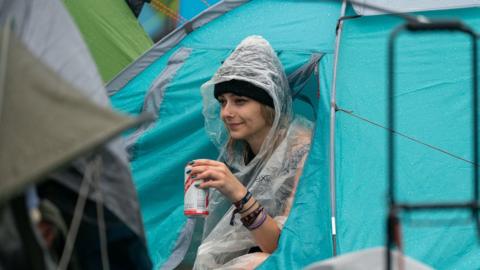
{"x":240,"y":101}
{"x":222,"y":102}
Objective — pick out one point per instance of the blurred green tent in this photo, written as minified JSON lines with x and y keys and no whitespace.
{"x":113,"y":34}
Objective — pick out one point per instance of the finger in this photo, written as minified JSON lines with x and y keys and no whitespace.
{"x":205,"y":162}
{"x":210,"y":184}
{"x":201,"y":169}
{"x":210,"y":174}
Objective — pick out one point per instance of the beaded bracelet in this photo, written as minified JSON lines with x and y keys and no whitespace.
{"x":239,"y":205}
{"x":249,"y":219}
{"x":259,"y":221}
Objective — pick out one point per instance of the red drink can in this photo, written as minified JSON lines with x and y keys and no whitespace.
{"x":195,"y":199}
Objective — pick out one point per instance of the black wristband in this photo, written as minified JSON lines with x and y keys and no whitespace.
{"x":239,"y":204}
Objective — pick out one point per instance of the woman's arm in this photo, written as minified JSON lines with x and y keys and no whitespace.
{"x":266,"y":236}
{"x":217,"y":175}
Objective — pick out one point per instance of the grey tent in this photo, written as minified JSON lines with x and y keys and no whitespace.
{"x":48,"y":32}
{"x":44,"y":122}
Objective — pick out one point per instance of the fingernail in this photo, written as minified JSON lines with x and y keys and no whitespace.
{"x":193,"y":176}
{"x":191,"y":162}
{"x":196,"y":185}
{"x":188,"y":171}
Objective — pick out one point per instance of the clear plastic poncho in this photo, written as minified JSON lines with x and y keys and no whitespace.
{"x":272,"y":174}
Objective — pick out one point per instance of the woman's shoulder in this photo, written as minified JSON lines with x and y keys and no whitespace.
{"x":298,"y":141}
{"x":300,"y":132}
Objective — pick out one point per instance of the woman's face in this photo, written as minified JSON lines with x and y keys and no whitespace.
{"x":243,"y":117}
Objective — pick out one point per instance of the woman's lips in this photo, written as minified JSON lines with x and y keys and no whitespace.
{"x":233,"y":125}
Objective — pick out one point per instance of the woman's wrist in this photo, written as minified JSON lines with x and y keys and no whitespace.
{"x":239,"y":204}
{"x":238,"y":194}
{"x":249,"y":207}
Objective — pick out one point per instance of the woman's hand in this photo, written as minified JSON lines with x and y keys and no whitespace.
{"x":217,"y":175}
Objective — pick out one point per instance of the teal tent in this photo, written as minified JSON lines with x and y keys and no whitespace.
{"x":433,"y":138}
{"x":338,"y":76}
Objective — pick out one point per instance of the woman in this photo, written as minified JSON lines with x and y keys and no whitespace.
{"x":262,"y":151}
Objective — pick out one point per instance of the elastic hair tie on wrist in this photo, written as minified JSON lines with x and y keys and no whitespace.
{"x":258,"y":222}
{"x":249,"y":220}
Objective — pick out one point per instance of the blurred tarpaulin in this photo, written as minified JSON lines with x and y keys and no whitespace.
{"x":44,"y":123}
{"x":55,"y":108}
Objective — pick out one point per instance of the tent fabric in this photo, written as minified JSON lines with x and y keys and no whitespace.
{"x":371,"y":259}
{"x":154,"y":97}
{"x":111,"y":31}
{"x":303,"y":73}
{"x":411,"y":5}
{"x":308,"y":29}
{"x":183,"y":244}
{"x":56,"y":41}
{"x":12,"y":252}
{"x":433,"y":99}
{"x":159,"y":177}
{"x":168,"y":43}
{"x":34,"y":140}
{"x":39,"y":106}
{"x":78,"y":68}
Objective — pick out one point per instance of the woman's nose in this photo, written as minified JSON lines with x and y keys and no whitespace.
{"x":227,"y":110}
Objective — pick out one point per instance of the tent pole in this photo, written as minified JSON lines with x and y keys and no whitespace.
{"x":76,"y":219}
{"x":333,"y":109}
{"x":102,"y":228}
{"x":4,"y":59}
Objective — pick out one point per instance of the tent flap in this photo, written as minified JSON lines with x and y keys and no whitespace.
{"x":44,"y":123}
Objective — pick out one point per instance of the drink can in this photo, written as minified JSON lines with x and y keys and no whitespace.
{"x":196,"y":199}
